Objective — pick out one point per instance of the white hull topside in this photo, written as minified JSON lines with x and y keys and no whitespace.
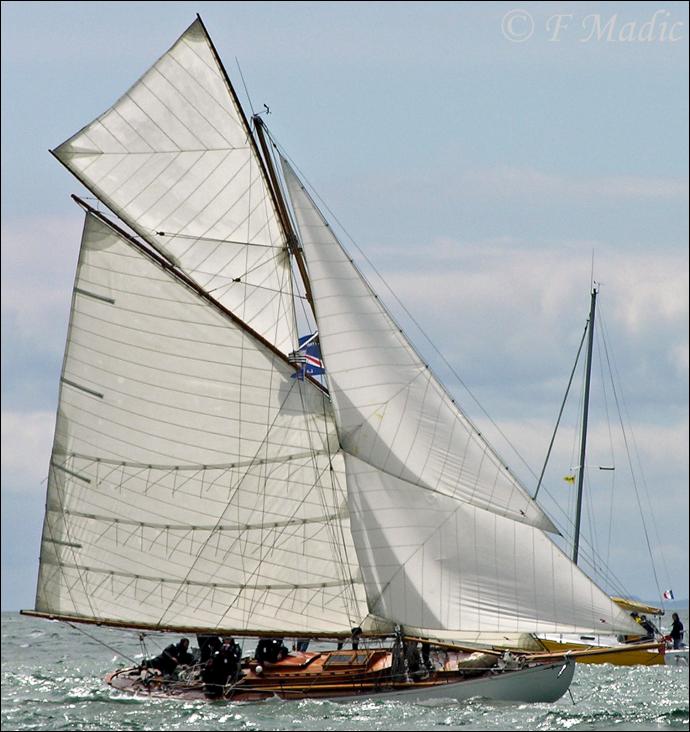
{"x":538,"y":684}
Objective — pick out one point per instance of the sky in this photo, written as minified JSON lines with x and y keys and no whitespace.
{"x":485,"y":158}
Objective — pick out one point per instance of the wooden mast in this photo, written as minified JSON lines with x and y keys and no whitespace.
{"x":292,"y":240}
{"x":585,"y":414}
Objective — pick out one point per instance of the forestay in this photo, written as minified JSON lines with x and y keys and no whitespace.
{"x":193,"y":481}
{"x":174,"y":159}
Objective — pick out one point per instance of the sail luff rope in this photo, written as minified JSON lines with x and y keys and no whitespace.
{"x":56,"y":481}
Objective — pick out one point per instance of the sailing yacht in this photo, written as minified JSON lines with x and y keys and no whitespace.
{"x":203,"y":479}
{"x":603,"y":647}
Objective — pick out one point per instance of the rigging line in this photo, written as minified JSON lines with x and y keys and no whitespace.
{"x":592,"y":528}
{"x":246,"y":91}
{"x":258,"y":565}
{"x":634,"y":482}
{"x":560,"y":414}
{"x":220,"y":519}
{"x":263,"y":263}
{"x":632,"y":471}
{"x":215,"y":240}
{"x":74,"y":626}
{"x":337,"y":546}
{"x":269,"y":426}
{"x":196,"y":214}
{"x":338,"y":489}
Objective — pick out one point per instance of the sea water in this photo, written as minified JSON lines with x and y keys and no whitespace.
{"x":52,"y":679}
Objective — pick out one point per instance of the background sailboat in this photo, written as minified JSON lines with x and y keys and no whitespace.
{"x":195,"y":485}
{"x":608,"y":643}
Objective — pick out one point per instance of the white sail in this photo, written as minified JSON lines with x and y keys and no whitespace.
{"x":433,"y":563}
{"x":193,"y":481}
{"x":391,"y":411}
{"x":173,"y":158}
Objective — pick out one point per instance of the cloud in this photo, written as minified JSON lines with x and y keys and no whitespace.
{"x":514,"y":181}
{"x":500,"y":303}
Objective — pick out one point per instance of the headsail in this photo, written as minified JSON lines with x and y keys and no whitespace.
{"x":447,"y":539}
{"x":175,"y":160}
{"x":391,"y":411}
{"x":434,"y":563}
{"x":193,"y":482}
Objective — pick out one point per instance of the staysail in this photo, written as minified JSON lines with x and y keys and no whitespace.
{"x":175,"y":160}
{"x":391,"y":410}
{"x":193,"y":481}
{"x":446,"y":537}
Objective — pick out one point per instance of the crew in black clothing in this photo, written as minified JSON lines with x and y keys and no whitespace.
{"x":270,"y":650}
{"x":676,"y":632}
{"x":355,"y":633}
{"x":208,"y":645}
{"x":172,"y":656}
{"x":426,"y":656}
{"x":224,"y":667}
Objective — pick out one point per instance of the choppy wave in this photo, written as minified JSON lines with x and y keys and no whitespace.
{"x":52,"y":680}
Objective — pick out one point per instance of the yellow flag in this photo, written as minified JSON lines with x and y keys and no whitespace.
{"x":569,"y":478}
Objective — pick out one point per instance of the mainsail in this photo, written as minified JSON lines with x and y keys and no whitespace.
{"x":193,"y":482}
{"x":175,"y":160}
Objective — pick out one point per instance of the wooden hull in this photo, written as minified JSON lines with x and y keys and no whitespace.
{"x":290,"y":681}
{"x":618,"y":656}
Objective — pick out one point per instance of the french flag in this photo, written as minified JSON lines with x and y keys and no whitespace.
{"x":668,"y":594}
